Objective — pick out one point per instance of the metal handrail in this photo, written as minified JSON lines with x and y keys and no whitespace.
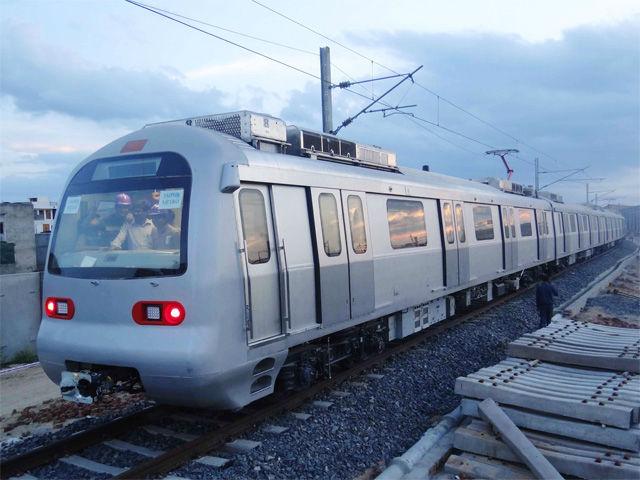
{"x":247,"y":291}
{"x":285,"y":283}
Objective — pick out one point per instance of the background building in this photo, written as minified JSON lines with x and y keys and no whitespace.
{"x":44,"y":213}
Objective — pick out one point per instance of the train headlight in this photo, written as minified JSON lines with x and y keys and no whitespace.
{"x":62,"y":308}
{"x":158,"y":313}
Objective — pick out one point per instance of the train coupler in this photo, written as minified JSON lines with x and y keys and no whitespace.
{"x":85,"y":386}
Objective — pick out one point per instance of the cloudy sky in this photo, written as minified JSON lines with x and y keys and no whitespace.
{"x":558,"y":80}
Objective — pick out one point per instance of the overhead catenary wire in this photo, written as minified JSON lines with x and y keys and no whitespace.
{"x":224,"y":29}
{"x":166,"y":14}
{"x":418,"y":84}
{"x":245,"y":35}
{"x":285,"y":64}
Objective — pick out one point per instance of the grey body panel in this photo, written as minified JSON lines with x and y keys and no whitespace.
{"x":334,"y":270}
{"x":450,"y":244}
{"x":485,"y":261}
{"x":293,"y":234}
{"x":462,"y":229}
{"x":207,"y":360}
{"x":361,"y":273}
{"x":265,"y":319}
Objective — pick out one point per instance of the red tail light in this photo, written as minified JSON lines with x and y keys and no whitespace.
{"x":63,"y":308}
{"x":158,"y":313}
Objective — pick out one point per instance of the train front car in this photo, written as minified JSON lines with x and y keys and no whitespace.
{"x":143,"y":285}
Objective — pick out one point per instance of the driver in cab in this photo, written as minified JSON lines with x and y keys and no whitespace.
{"x":136,"y":235}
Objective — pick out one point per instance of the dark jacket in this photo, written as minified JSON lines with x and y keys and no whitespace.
{"x":544,"y":294}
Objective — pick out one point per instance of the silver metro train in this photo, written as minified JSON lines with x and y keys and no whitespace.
{"x":210,"y":260}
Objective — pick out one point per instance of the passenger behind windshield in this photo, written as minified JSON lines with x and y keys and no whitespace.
{"x":137,"y":234}
{"x":165,"y":236}
{"x":93,"y":232}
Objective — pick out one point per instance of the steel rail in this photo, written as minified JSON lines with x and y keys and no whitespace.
{"x":19,"y":464}
{"x":273,"y":405}
{"x":214,"y":440}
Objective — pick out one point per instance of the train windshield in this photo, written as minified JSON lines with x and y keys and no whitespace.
{"x":124,"y":218}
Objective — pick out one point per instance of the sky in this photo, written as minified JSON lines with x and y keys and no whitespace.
{"x":556,"y":80}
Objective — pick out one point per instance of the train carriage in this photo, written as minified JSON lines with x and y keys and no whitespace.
{"x":209,"y":260}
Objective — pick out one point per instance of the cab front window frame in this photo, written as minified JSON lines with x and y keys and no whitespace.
{"x":173,"y":173}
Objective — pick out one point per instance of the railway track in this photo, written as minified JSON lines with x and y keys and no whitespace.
{"x":226,"y":425}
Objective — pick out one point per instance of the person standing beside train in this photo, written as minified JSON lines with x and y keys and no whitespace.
{"x":544,"y":300}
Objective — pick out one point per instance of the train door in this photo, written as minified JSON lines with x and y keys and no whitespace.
{"x":506,"y":238}
{"x":260,"y":259}
{"x":332,"y":255}
{"x":559,"y":229}
{"x":514,"y":237}
{"x":295,"y":250}
{"x":450,"y":243}
{"x":463,"y":247}
{"x":359,"y":252}
{"x":541,"y":223}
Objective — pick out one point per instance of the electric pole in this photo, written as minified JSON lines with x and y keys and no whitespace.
{"x":537,"y":178}
{"x":587,"y":185}
{"x":325,"y":86}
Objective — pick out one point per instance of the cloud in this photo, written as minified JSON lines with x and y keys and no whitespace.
{"x":576,"y":98}
{"x":40,"y":80}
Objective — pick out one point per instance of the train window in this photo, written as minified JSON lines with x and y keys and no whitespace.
{"x":447,"y":216}
{"x":572,"y":219}
{"x":505,"y":222}
{"x":330,"y":224}
{"x":483,"y":222}
{"x":462,"y":236}
{"x":525,"y":222}
{"x":356,"y":222}
{"x":254,"y":225}
{"x":407,"y":227}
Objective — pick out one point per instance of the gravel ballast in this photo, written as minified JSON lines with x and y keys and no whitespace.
{"x":382,"y":419}
{"x":379,"y":419}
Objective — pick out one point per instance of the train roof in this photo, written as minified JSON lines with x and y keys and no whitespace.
{"x":177,"y":136}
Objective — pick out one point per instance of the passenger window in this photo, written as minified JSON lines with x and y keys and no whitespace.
{"x":572,"y":219}
{"x":254,"y":225}
{"x":356,"y":222}
{"x":407,"y":227}
{"x":525,"y":222}
{"x":483,"y":223}
{"x":329,"y":224}
{"x":462,"y":236}
{"x":447,"y":216}
{"x":505,"y":222}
